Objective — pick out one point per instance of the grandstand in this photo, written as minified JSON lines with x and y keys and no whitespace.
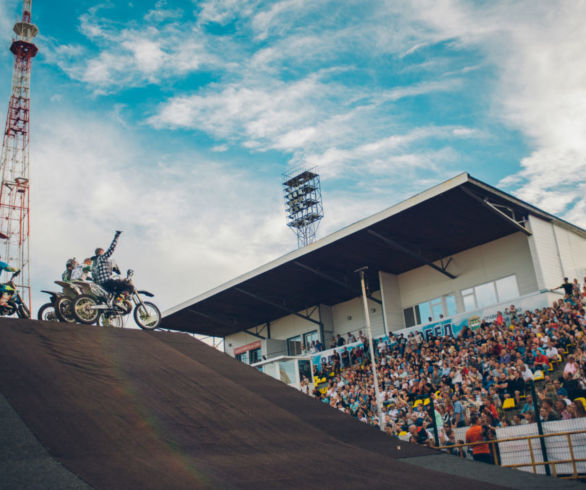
{"x":468,"y":314}
{"x":458,"y":252}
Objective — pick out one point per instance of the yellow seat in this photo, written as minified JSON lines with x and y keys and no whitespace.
{"x":538,"y":375}
{"x":426,"y":401}
{"x":582,"y":400}
{"x":417,"y":403}
{"x":509,"y":404}
{"x":550,"y":367}
{"x":403,"y":433}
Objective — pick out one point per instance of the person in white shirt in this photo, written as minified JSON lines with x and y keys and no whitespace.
{"x":82,"y":271}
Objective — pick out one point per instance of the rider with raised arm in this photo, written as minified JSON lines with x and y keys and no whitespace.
{"x":102,"y":269}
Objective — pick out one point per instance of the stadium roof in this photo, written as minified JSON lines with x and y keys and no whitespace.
{"x":425,"y":229}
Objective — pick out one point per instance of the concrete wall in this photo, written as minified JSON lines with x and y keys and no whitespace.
{"x":493,"y":260}
{"x":291,"y":325}
{"x":572,"y":251}
{"x":349,"y":317}
{"x":557,"y":253}
{"x":392,"y":304}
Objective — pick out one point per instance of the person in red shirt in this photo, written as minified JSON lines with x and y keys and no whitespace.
{"x":541,"y":361}
{"x":480,"y":452}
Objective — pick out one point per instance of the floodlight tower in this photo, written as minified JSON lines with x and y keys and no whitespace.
{"x":303,"y":204}
{"x":14,"y":160}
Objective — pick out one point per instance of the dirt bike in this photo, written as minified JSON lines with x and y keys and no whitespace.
{"x":71,"y":290}
{"x":109,"y":309}
{"x":14,"y":303}
{"x":48,"y":312}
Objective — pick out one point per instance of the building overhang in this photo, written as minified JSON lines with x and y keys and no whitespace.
{"x":424,"y":230}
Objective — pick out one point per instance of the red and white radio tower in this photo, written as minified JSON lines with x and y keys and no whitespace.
{"x":14,"y":163}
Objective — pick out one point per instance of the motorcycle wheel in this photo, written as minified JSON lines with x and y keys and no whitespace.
{"x":82,"y":309}
{"x":106,"y":319}
{"x":147,"y":317}
{"x":23,"y":312}
{"x":48,"y":313}
{"x":64,"y":310}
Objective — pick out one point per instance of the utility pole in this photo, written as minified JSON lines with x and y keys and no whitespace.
{"x":379,"y":404}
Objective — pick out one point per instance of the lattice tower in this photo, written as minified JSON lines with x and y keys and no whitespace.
{"x":303,"y":204}
{"x":14,"y":161}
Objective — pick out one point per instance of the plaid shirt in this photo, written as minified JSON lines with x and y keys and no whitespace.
{"x":102,"y":268}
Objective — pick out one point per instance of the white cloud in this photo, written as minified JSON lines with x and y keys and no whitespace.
{"x":269,"y":18}
{"x":225,"y":11}
{"x":538,"y":52}
{"x":187,"y":227}
{"x":133,"y":55}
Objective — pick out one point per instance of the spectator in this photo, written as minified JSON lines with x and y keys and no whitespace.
{"x":475,"y":434}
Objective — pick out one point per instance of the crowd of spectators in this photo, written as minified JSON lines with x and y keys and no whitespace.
{"x":470,"y":377}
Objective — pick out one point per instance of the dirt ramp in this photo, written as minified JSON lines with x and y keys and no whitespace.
{"x":133,"y":409}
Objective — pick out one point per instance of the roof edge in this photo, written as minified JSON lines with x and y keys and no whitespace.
{"x":440,"y":188}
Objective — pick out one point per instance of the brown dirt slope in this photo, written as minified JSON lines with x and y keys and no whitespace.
{"x":132,"y":409}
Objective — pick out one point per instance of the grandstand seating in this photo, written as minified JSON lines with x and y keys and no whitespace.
{"x":486,"y":370}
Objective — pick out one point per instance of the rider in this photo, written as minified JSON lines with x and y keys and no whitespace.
{"x":102,"y":269}
{"x":81,"y":271}
{"x":69,"y":266}
{"x":5,"y":292}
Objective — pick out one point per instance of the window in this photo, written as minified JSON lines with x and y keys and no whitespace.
{"x":451,"y":305}
{"x":490,"y":293}
{"x":409,"y":314}
{"x":431,"y":310}
{"x":242,"y":357}
{"x":304,"y":369}
{"x":468,"y":299}
{"x":506,"y":288}
{"x":294,"y":346}
{"x":485,"y":295}
{"x":308,"y":338}
{"x":437,"y":309}
{"x":254,"y":356}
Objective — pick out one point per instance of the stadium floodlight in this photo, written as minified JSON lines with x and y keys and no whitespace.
{"x":303,"y":204}
{"x":377,"y":394}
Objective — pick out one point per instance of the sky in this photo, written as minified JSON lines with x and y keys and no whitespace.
{"x":174,"y":121}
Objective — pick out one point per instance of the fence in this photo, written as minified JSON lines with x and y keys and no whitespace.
{"x":520,"y":447}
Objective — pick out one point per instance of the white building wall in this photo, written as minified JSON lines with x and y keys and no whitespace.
{"x":572,"y":252}
{"x":557,"y":252}
{"x":237,"y":340}
{"x":349,"y":317}
{"x":545,"y":253}
{"x":488,"y":262}
{"x":292,"y":325}
{"x":392,"y":305}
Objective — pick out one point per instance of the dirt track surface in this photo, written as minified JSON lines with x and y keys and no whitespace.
{"x":132,"y":409}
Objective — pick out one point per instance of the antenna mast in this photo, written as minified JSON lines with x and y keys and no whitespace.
{"x":14,"y":160}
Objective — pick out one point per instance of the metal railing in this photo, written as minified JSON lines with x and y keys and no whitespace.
{"x":534,"y":463}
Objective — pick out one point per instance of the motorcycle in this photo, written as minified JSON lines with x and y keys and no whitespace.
{"x":72,"y":290}
{"x":48,"y":312}
{"x":108,"y":309}
{"x":14,"y":303}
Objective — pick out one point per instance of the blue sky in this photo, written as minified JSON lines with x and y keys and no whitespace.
{"x":174,"y":120}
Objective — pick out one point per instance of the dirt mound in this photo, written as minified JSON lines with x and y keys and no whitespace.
{"x":133,"y":409}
